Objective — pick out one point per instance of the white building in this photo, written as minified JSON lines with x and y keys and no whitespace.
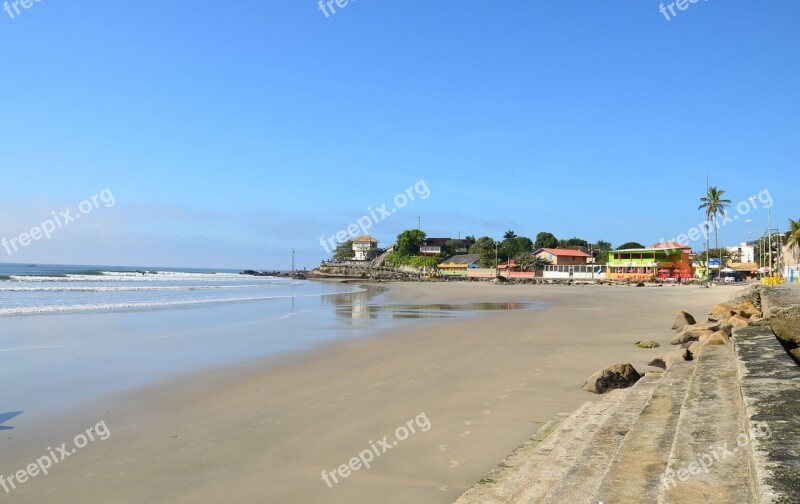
{"x":744,"y":253}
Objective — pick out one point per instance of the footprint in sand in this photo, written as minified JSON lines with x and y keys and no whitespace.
{"x":503,"y":397}
{"x":444,"y":489}
{"x":442,"y":447}
{"x":486,"y":412}
{"x":467,"y":422}
{"x":466,"y":433}
{"x":487,"y":403}
{"x":453,"y":463}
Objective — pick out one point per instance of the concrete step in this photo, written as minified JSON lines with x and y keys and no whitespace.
{"x":584,"y":478}
{"x":770,"y":386}
{"x":553,"y":448}
{"x":635,"y":473}
{"x":709,"y":460}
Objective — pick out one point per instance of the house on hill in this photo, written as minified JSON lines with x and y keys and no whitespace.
{"x":365,"y":248}
{"x":563,"y":257}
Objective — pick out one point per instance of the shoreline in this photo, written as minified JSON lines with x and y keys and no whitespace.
{"x":265,"y":429}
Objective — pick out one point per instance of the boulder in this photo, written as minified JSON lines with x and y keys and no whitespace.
{"x":717,"y":339}
{"x":796,"y":354}
{"x":692,"y":333}
{"x":648,"y":344}
{"x":748,"y":309}
{"x":613,"y":377}
{"x":723,"y":311}
{"x":669,"y":359}
{"x":738,"y":321}
{"x":726,"y":327}
{"x":695,"y":347}
{"x":682,"y":319}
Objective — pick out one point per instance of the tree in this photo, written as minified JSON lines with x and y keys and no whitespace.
{"x":409,"y":241}
{"x":574,"y":242}
{"x":793,"y":237}
{"x":513,"y":245}
{"x":545,"y":240}
{"x":602,"y":246}
{"x":630,"y":245}
{"x":714,"y":205}
{"x":344,"y":251}
{"x":485,"y":248}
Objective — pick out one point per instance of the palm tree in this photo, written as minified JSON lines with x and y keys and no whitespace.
{"x":793,"y":237}
{"x":714,"y":205}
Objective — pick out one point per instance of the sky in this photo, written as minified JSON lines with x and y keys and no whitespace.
{"x":226,"y":134}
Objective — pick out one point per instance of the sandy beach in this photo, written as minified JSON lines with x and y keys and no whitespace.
{"x":265,"y":430}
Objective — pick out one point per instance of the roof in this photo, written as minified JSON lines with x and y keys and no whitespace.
{"x":433,"y":242}
{"x":671,"y":245}
{"x":365,"y":239}
{"x":507,"y":265}
{"x":462,"y":260}
{"x":563,"y":252}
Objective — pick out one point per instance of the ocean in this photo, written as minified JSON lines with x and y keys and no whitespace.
{"x":72,"y":334}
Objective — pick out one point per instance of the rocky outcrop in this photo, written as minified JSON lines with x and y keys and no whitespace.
{"x":648,"y":344}
{"x":682,"y":319}
{"x":670,"y":358}
{"x":614,"y":377}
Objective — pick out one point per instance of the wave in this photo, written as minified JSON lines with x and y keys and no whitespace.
{"x":38,"y":310}
{"x":161,"y":276}
{"x":129,"y":288}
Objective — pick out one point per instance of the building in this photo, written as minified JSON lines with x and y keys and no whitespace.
{"x":744,"y":253}
{"x":433,"y":246}
{"x":365,"y":247}
{"x":459,"y":265}
{"x":790,"y":259}
{"x":661,"y":260}
{"x":563,"y":257}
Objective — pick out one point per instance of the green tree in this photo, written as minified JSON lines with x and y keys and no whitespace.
{"x":714,"y":205}
{"x":630,"y":245}
{"x":344,"y":251}
{"x":485,"y":248}
{"x":602,"y":246}
{"x":409,"y":241}
{"x":545,"y":240}
{"x":574,"y":242}
{"x":793,"y":237}
{"x":513,"y":245}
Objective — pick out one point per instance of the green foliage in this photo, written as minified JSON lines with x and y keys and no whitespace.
{"x":409,"y":241}
{"x":344,"y":251}
{"x":714,"y":206}
{"x":574,"y":242}
{"x":484,"y":247}
{"x":396,"y":260}
{"x":602,"y":246}
{"x":545,"y":240}
{"x":630,"y":245}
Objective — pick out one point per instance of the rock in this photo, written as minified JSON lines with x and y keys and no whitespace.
{"x":640,"y":284}
{"x":648,"y":344}
{"x":748,"y":309}
{"x":669,"y":359}
{"x":738,"y":321}
{"x":723,"y":311}
{"x":796,"y":354}
{"x":682,"y":319}
{"x":695,"y":347}
{"x":717,"y":339}
{"x":718,"y":335}
{"x":610,"y":378}
{"x":688,"y":335}
{"x":726,"y":327}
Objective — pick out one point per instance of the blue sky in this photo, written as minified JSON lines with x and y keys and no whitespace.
{"x":232,"y":132}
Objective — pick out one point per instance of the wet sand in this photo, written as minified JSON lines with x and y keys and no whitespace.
{"x":264,"y":430}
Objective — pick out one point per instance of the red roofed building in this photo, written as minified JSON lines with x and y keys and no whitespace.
{"x":563,"y":257}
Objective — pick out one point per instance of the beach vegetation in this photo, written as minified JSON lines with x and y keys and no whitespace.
{"x":545,"y":240}
{"x":344,"y":251}
{"x":714,"y":205}
{"x":409,"y":242}
{"x":630,"y":245}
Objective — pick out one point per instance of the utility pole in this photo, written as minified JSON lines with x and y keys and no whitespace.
{"x":769,"y":230}
{"x":419,"y":223}
{"x":708,"y":234}
{"x":292,"y":260}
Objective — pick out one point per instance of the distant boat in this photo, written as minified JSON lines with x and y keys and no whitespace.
{"x":31,"y":265}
